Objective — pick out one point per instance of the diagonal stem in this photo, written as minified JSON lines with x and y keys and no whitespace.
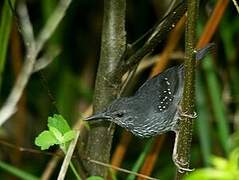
{"x":159,"y":33}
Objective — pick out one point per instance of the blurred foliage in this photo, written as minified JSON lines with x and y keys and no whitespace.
{"x":66,"y":87}
{"x":223,"y":169}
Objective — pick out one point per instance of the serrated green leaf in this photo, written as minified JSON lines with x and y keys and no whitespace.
{"x":57,"y":134}
{"x":69,"y":136}
{"x":58,"y":122}
{"x":94,"y":178}
{"x":46,"y":139}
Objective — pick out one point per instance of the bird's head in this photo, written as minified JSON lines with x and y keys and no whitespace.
{"x":119,"y":112}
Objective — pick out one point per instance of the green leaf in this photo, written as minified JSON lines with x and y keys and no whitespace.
{"x":69,"y":136}
{"x":58,"y":135}
{"x":58,"y":122}
{"x":94,"y":178}
{"x":46,"y":139}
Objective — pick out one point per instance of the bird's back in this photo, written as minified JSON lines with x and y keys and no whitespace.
{"x":158,"y":100}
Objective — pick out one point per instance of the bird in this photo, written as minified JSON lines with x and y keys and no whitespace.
{"x":154,"y":109}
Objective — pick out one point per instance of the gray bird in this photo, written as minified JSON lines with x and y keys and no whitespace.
{"x":154,"y":108}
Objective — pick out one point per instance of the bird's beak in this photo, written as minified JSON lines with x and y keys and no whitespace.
{"x":98,"y":116}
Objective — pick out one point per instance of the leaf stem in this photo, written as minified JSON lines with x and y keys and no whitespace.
{"x":74,"y":171}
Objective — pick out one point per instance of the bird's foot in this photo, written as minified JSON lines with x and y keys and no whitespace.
{"x":192,"y":116}
{"x":180,"y":164}
{"x":185,"y":114}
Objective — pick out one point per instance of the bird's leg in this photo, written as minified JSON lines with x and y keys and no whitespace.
{"x":179,"y":163}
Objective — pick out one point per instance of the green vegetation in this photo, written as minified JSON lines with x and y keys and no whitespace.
{"x":59,"y":133}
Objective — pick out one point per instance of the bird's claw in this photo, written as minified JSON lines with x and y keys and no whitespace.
{"x":181,"y":165}
{"x":192,"y":116}
{"x":185,"y":114}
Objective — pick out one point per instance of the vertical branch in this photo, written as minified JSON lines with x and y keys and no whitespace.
{"x":188,"y":101}
{"x":113,"y":45}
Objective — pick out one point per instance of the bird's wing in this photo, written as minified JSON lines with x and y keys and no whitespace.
{"x":170,"y":80}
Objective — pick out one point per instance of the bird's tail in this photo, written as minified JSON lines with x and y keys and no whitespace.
{"x":200,"y":53}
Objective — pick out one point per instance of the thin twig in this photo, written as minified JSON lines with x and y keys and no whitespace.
{"x":9,"y":107}
{"x":57,"y":157}
{"x":25,"y":24}
{"x":30,"y":150}
{"x":236,"y":5}
{"x":52,"y":23}
{"x":46,"y":59}
{"x":67,"y":158}
{"x":151,"y":60}
{"x":33,"y":48}
{"x":158,"y":35}
{"x":50,"y":168}
{"x":121,"y":169}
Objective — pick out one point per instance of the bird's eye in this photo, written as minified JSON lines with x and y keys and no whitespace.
{"x":119,"y":114}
